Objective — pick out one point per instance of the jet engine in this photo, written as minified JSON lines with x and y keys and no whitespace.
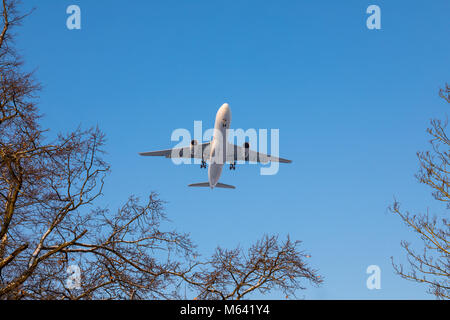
{"x":246,"y":148}
{"x":193,"y":144}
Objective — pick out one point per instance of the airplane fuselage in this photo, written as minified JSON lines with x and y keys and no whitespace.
{"x":217,"y":157}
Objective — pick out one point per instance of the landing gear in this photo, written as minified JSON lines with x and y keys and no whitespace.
{"x":233,"y":166}
{"x":203,"y":165}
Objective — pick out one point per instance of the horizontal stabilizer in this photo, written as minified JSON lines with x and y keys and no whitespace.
{"x":223,"y":185}
{"x":201,"y":184}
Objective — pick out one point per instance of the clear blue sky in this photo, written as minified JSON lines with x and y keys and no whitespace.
{"x":352,"y":106}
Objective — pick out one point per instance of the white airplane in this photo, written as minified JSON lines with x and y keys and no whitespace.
{"x":217,"y":152}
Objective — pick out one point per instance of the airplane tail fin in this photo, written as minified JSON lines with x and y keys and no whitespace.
{"x":206,"y":184}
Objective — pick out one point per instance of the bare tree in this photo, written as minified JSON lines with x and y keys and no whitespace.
{"x":120,"y":256}
{"x":269,"y":264}
{"x":56,"y":244}
{"x":47,"y":193}
{"x":432,"y":265}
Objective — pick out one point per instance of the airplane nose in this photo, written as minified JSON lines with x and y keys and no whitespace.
{"x":224,"y":112}
{"x":225,"y":108}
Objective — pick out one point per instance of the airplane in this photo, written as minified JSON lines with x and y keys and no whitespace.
{"x":217,"y":151}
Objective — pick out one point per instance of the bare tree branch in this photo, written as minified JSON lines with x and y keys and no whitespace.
{"x":267,"y":265}
{"x":432,"y":266}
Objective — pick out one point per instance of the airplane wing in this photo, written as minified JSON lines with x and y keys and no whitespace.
{"x":198,"y":151}
{"x":237,"y":153}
